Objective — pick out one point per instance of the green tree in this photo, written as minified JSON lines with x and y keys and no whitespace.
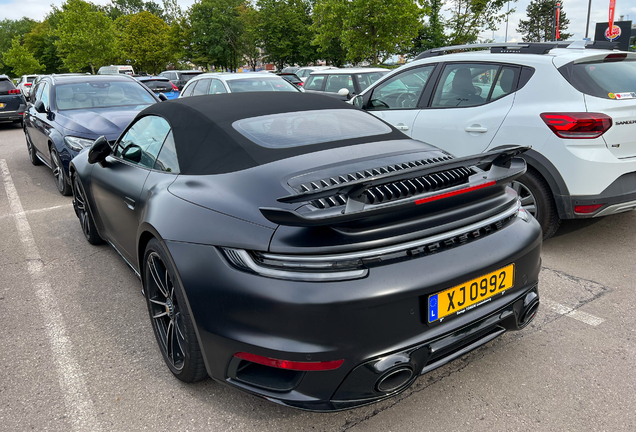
{"x":370,"y":30}
{"x":470,"y":17}
{"x":216,"y":29}
{"x":144,"y":41}
{"x":286,"y":32}
{"x":20,"y":59}
{"x":41,"y":42}
{"x":86,"y":36}
{"x":117,"y":8}
{"x":538,"y":27}
{"x":328,"y":22}
{"x":431,"y":33}
{"x":249,"y":37}
{"x":9,"y":29}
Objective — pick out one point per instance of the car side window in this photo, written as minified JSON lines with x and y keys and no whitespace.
{"x":142,"y":141}
{"x":44,"y":95}
{"x":216,"y":87}
{"x":187,"y":90}
{"x":505,"y":83}
{"x":402,"y":91}
{"x":35,"y":94}
{"x":201,"y":87}
{"x":337,"y":82}
{"x":315,"y":82}
{"x":167,"y":159}
{"x":465,"y":85}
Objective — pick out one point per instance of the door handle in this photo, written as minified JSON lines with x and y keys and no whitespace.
{"x":130,"y":203}
{"x":402,"y":127}
{"x":476,"y":128}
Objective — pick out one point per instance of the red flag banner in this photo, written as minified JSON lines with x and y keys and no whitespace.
{"x":612,"y":5}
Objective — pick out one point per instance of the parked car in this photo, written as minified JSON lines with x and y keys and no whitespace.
{"x":68,"y":112}
{"x":299,"y":249}
{"x":12,"y":102}
{"x":219,"y":83}
{"x":180,"y":77}
{"x":292,"y":78}
{"x":290,"y":70}
{"x":160,"y":85}
{"x":116,"y":70}
{"x":304,"y":72}
{"x":572,"y":102}
{"x":25,"y":83}
{"x":343,"y":83}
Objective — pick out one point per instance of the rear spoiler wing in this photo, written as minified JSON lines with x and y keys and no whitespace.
{"x":504,"y":166}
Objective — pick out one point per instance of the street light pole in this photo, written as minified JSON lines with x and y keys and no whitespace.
{"x":587,"y":25}
{"x":507,"y":15}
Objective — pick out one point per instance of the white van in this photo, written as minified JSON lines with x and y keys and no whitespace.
{"x":115,"y":70}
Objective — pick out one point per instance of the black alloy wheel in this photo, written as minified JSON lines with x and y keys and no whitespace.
{"x":170,"y":319}
{"x":35,"y":160}
{"x":83,"y":213}
{"x":536,"y":198}
{"x":58,"y":172}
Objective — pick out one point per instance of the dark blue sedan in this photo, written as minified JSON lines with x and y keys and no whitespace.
{"x":160,"y":85}
{"x":67,"y":113}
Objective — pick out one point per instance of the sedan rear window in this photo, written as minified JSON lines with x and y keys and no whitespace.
{"x":309,"y":127}
{"x":604,"y":78}
{"x":99,"y":94}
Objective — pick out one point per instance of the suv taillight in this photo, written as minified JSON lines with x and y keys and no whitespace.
{"x":14,"y":91}
{"x":174,"y":87}
{"x":581,"y":125}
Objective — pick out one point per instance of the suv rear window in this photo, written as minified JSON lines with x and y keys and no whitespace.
{"x":5,"y":86}
{"x":603,"y":78}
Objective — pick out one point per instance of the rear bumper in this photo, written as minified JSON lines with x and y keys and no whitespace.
{"x":361,"y":321}
{"x":618,"y":197}
{"x":11,"y":115}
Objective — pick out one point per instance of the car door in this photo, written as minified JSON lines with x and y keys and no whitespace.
{"x":468,"y":105}
{"x":397,"y":99}
{"x":117,"y":183}
{"x":42,"y":122}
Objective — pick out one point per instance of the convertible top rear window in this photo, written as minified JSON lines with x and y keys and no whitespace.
{"x":309,"y":127}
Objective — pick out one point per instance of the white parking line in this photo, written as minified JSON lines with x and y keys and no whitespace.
{"x":40,"y":210}
{"x":572,"y":313}
{"x":76,"y":396}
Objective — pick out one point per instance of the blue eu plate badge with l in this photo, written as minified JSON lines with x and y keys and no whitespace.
{"x":432,"y":308}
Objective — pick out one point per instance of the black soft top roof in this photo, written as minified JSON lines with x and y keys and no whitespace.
{"x":206,"y":142}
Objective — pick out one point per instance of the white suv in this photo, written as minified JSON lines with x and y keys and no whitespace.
{"x":25,"y":84}
{"x":574,"y":105}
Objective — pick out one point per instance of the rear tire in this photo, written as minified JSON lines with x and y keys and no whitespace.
{"x":33,"y":157}
{"x":62,"y":184}
{"x":169,"y":315}
{"x":536,"y":197}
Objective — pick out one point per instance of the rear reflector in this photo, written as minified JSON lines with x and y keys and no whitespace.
{"x":577,"y":125}
{"x":586,"y":209}
{"x":454,"y":193}
{"x":290,"y":365}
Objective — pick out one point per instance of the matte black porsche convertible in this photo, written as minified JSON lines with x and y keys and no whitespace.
{"x":305,"y":251}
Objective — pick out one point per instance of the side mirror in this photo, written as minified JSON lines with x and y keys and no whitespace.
{"x":132,"y":153}
{"x":99,"y":150}
{"x":162,"y":97}
{"x":344,"y":92}
{"x":358,"y":101}
{"x":39,"y":107}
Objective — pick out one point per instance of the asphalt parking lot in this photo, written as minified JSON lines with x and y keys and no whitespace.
{"x":78,"y":352}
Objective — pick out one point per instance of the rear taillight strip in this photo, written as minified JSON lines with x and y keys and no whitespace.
{"x":577,"y":125}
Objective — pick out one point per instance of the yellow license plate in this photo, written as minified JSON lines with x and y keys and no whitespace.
{"x":1,"y":105}
{"x":461,"y":298}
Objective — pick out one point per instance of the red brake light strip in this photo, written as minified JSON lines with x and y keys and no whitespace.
{"x":290,"y":365}
{"x":455,"y":192}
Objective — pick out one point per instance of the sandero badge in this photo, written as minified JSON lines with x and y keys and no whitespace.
{"x":304,"y":251}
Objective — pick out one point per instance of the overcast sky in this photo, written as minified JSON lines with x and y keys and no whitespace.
{"x":576,"y":11}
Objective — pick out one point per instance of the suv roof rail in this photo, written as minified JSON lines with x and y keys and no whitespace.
{"x":520,"y":47}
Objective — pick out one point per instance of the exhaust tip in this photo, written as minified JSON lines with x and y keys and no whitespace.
{"x":530,"y":313}
{"x":394,"y":379}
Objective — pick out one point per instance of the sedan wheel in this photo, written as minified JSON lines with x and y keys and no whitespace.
{"x":83,"y":213}
{"x":171,"y":321}
{"x":58,"y":172}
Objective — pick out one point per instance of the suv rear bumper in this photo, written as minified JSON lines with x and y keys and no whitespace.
{"x":11,"y":115}
{"x":618,"y":197}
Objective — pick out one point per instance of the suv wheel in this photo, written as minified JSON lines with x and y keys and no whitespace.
{"x":536,"y":198}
